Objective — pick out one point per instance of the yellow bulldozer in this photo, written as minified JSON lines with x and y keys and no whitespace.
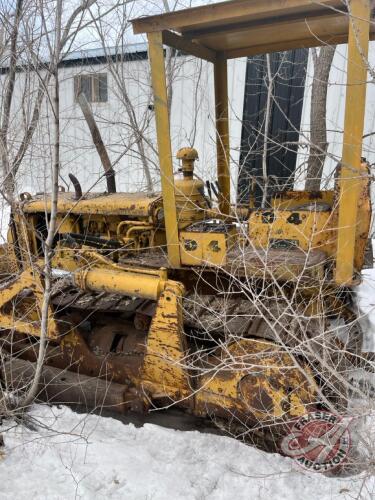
{"x":176,"y":300}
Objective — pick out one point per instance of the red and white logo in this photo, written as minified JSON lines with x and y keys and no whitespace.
{"x":318,"y":441}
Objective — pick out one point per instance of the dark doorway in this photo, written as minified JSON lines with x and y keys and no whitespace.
{"x":289,"y":71}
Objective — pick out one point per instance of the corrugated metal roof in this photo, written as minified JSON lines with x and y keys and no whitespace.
{"x":85,"y":56}
{"x":99,"y":52}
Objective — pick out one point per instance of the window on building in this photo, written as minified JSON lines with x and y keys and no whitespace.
{"x":93,"y":86}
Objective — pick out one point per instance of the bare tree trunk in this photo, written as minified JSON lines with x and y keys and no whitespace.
{"x":136,"y":130}
{"x":318,"y":126}
{"x":9,"y":166}
{"x":169,"y":69}
{"x":48,"y":246}
{"x":8,"y":175}
{"x":98,"y":141}
{"x":266,"y":130}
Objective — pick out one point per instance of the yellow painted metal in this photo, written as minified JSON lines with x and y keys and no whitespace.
{"x":222,"y":134}
{"x":93,"y":271}
{"x":23,"y":237}
{"x":363,"y":217}
{"x":25,"y":317}
{"x":122,"y":282}
{"x":190,"y":201}
{"x":304,"y":229}
{"x":130,"y":204}
{"x":164,"y":374}
{"x":79,"y":259}
{"x":66,"y":224}
{"x":253,"y":379}
{"x":156,"y":55}
{"x":99,"y":215}
{"x":350,"y":177}
{"x":205,"y":248}
{"x":293,"y":199}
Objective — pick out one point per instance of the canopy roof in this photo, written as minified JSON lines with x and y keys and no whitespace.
{"x":239,"y":28}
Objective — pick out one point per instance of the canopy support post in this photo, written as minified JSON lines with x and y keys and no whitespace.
{"x":159,"y":85}
{"x":350,"y":175}
{"x":222,"y":133}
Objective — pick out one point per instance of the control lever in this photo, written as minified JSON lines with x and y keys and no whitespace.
{"x":209,"y":190}
{"x":214,"y":189}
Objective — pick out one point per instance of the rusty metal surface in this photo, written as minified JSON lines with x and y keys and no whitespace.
{"x":71,"y":296}
{"x":154,"y":259}
{"x":150,"y":363}
{"x":62,"y":386}
{"x":227,"y":317}
{"x":132,"y":204}
{"x":269,"y":263}
{"x":255,"y":380}
{"x":272,"y":263}
{"x":164,"y":374}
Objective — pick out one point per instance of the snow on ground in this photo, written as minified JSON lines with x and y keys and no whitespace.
{"x":366,"y":302}
{"x":92,"y":457}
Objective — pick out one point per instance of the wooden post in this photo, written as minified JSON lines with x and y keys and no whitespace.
{"x":350,"y":176}
{"x":159,"y":85}
{"x":222,"y":133}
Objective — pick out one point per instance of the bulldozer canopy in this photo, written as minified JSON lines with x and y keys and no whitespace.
{"x":239,"y":28}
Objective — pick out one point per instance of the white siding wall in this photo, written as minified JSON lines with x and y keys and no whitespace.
{"x":335,"y":113}
{"x":335,"y":118}
{"x":192,"y":123}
